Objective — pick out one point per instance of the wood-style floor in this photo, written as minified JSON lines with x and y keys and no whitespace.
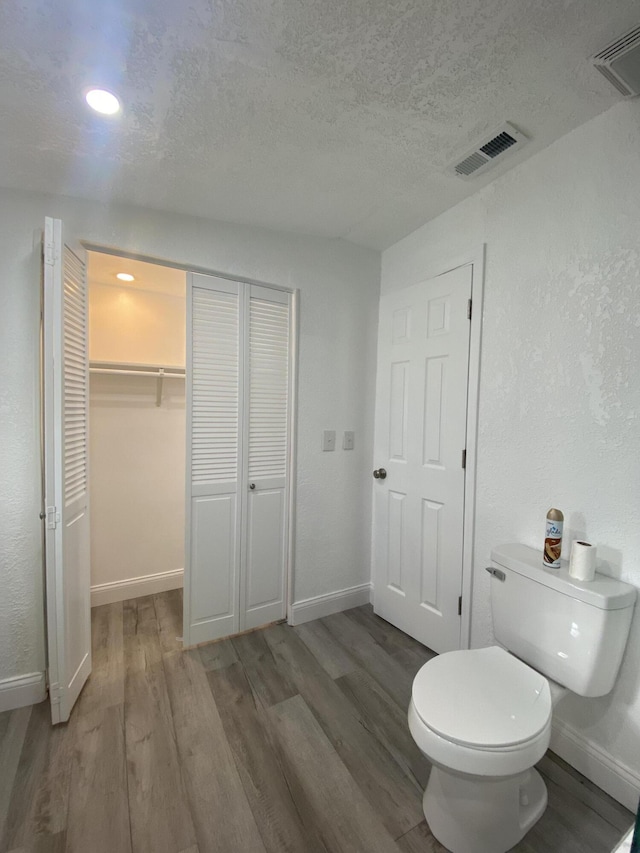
{"x":285,"y":739}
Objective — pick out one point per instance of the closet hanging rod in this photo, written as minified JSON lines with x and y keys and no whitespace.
{"x":136,"y":370}
{"x":122,"y":371}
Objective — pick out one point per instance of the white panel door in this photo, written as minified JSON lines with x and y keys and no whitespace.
{"x":214,"y":458}
{"x":66,"y":511}
{"x":420,"y":436}
{"x":263,"y":585}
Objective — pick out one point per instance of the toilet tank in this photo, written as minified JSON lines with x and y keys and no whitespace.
{"x":572,"y":631}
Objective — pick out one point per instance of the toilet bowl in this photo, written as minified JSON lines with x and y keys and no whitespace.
{"x":483,"y":719}
{"x":483,"y":716}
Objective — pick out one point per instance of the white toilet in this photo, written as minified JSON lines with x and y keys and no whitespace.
{"x":483,"y":717}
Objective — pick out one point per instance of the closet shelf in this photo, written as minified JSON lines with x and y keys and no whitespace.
{"x":120,"y":368}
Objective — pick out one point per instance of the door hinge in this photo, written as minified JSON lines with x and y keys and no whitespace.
{"x":53,"y":517}
{"x":464,"y":458}
{"x":49,"y":254}
{"x":459,"y":605}
{"x":469,"y":310}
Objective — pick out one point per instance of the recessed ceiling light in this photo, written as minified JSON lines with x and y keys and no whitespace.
{"x":102,"y":101}
{"x":125,"y":276}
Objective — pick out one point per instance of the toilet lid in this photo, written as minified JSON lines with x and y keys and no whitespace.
{"x":482,"y":697}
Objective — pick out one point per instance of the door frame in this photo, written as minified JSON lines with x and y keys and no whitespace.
{"x":294,"y":328}
{"x":475,"y":257}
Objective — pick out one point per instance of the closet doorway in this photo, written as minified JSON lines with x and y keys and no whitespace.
{"x":137,"y":351}
{"x":168,"y":402}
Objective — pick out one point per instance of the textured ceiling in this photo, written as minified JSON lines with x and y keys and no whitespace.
{"x":327,"y":117}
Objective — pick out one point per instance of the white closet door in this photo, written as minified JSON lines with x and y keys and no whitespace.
{"x":66,"y":412}
{"x":214,"y":458}
{"x":263,"y":587}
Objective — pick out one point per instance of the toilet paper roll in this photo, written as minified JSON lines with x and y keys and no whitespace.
{"x":582,"y":563}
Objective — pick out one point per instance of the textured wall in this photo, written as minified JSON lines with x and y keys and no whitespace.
{"x":21,"y":623}
{"x":559,"y":391}
{"x":339,"y":286}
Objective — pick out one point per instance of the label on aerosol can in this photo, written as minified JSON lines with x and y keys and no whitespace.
{"x":553,"y":539}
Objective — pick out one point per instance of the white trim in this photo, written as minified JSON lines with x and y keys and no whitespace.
{"x":188,"y":397}
{"x":177,"y":265}
{"x":22,"y":690}
{"x":477,"y":259}
{"x":619,"y":781}
{"x":332,"y":602}
{"x":108,"y":593}
{"x":294,"y":327}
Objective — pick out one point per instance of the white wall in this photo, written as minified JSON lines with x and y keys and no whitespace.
{"x":339,"y":285}
{"x":559,"y":393}
{"x":136,"y":325}
{"x":137,"y":449}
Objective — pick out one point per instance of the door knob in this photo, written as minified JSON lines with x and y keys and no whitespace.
{"x":380,"y":474}
{"x":252,"y":486}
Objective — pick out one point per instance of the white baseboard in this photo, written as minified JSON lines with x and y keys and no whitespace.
{"x":615,"y":778}
{"x":332,"y":602}
{"x":108,"y":593}
{"x":22,"y":690}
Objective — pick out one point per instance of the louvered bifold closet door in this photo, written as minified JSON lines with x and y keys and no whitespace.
{"x":214,"y":458}
{"x":66,"y":410}
{"x":263,"y":589}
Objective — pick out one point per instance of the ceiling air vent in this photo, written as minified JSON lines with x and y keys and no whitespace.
{"x":620,"y":63}
{"x":484,"y":155}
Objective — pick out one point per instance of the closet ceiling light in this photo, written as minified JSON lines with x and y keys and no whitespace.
{"x":102,"y":101}
{"x":125,"y":276}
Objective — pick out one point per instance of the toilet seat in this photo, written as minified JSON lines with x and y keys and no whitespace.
{"x":481,"y":711}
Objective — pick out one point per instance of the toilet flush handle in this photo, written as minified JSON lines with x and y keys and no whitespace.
{"x":497,"y":573}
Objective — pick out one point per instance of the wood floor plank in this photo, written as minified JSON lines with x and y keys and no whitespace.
{"x":159,"y":811}
{"x":223,"y":819}
{"x":217,"y":655}
{"x":13,"y":730}
{"x":567,"y":813}
{"x":168,"y":607}
{"x":391,"y":639}
{"x":45,"y":844}
{"x":269,"y":682}
{"x":411,"y":660}
{"x":279,"y":820}
{"x":98,"y":818}
{"x":348,"y":823}
{"x":420,"y":840}
{"x":391,"y":793}
{"x":549,"y":836}
{"x":329,"y":653}
{"x":39,"y":800}
{"x":105,"y":685}
{"x":336,"y":754}
{"x":141,"y":642}
{"x":554,"y":768}
{"x":5,"y":717}
{"x":387,"y":722}
{"x":390,"y":675}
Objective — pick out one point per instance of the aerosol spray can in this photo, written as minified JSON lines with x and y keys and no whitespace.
{"x":553,"y":539}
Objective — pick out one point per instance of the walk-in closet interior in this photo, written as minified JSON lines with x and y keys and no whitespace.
{"x":137,"y":330}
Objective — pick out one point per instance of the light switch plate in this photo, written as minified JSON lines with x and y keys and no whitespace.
{"x":329,"y":439}
{"x":348,"y":440}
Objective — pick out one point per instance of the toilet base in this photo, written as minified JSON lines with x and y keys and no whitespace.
{"x":479,"y":814}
